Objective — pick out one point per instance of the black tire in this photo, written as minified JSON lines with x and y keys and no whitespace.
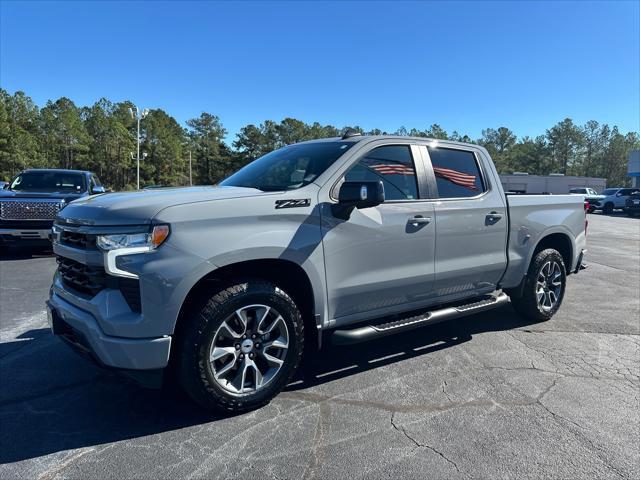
{"x":527,"y":304}
{"x":591,"y":209}
{"x":194,"y":370}
{"x":608,"y":208}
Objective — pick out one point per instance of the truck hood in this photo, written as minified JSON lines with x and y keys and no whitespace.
{"x":139,"y":207}
{"x":39,"y":195}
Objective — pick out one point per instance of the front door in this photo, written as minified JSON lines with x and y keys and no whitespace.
{"x":381,"y":260}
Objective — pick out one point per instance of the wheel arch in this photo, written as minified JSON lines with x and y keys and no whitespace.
{"x":288,"y":275}
{"x":558,"y":241}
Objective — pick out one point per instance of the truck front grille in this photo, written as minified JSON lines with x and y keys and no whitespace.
{"x":81,"y":278}
{"x":19,"y":210}
{"x":89,"y":281}
{"x":78,"y":240}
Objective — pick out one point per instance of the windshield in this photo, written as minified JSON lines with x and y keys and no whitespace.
{"x":48,"y":182}
{"x":578,"y":190}
{"x":610,"y":191}
{"x":289,"y":168}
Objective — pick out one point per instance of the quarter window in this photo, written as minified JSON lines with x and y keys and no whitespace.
{"x":393,"y":165}
{"x":457,"y":173}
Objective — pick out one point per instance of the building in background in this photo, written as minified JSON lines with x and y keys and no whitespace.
{"x":554,"y":183}
{"x":633,"y":170}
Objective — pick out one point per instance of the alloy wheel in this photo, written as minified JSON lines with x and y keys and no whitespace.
{"x":549,"y":285}
{"x":248,"y":349}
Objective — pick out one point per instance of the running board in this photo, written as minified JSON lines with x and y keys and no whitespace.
{"x":369,"y":332}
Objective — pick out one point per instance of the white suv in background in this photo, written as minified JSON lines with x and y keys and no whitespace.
{"x":615,"y":198}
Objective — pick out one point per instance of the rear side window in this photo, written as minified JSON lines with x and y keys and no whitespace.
{"x":393,"y":165}
{"x":457,"y":173}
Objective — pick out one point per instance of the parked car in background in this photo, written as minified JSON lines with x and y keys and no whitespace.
{"x":589,"y":194}
{"x":3,"y":184}
{"x":632,"y":204}
{"x":31,"y":201}
{"x":615,"y":198}
{"x":356,"y":237}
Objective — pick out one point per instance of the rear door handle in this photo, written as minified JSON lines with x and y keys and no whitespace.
{"x":493,"y":217}
{"x":419,"y":220}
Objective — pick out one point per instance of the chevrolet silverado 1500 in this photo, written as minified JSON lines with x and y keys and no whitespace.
{"x":349,"y":239}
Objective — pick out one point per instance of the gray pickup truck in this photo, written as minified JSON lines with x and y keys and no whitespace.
{"x":349,"y":239}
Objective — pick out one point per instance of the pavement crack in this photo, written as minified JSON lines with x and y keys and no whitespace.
{"x":578,"y":432}
{"x":318,"y":439}
{"x":402,"y":430}
{"x":444,"y":390}
{"x":67,"y":462}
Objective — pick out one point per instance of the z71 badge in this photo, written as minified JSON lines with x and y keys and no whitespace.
{"x":298,"y":202}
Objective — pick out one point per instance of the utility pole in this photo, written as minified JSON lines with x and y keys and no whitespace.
{"x":190,"y":177}
{"x":138,"y":115}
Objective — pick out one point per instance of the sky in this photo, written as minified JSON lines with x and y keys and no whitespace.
{"x":464,"y":65}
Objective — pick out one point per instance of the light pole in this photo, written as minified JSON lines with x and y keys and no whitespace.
{"x":190,"y":177}
{"x":138,"y":115}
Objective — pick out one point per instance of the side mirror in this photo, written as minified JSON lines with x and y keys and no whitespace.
{"x":98,"y":189}
{"x":357,"y":195}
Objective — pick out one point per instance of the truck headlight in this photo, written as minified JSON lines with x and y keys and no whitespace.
{"x":139,"y":241}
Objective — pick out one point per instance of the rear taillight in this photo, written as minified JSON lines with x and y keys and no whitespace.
{"x":586,"y":222}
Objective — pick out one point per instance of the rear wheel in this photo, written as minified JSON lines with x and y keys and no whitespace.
{"x":242,"y":347}
{"x":544,"y":287}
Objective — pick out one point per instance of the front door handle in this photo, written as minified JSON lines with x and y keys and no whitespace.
{"x":493,"y":217}
{"x":419,"y":220}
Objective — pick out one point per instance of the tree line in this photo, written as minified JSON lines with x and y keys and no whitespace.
{"x":102,"y":138}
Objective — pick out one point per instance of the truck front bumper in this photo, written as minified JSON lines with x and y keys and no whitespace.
{"x":80,"y":330}
{"x":24,"y":236}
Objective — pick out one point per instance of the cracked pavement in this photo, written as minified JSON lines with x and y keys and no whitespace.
{"x":487,"y":396}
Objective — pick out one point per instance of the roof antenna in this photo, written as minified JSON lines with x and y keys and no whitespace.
{"x":350,"y":132}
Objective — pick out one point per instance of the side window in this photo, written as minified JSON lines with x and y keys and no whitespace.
{"x":393,"y":165}
{"x":95,"y":181}
{"x":457,"y":173}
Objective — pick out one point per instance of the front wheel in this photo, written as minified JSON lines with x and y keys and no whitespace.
{"x":544,"y":287}
{"x":242,"y":347}
{"x":608,"y":208}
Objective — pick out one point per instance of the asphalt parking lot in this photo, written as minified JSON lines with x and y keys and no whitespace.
{"x":488,"y":396}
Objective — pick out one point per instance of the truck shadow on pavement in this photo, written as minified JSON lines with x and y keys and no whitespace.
{"x":51,"y":400}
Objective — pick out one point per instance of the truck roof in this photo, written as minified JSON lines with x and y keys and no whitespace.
{"x":55,"y":170}
{"x":360,"y":138}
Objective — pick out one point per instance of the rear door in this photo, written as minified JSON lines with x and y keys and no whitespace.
{"x":381,"y":259}
{"x":472,"y":223}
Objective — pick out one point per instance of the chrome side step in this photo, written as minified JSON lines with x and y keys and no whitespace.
{"x":369,"y":332}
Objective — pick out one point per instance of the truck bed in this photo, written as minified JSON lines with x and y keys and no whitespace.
{"x":532,"y":217}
